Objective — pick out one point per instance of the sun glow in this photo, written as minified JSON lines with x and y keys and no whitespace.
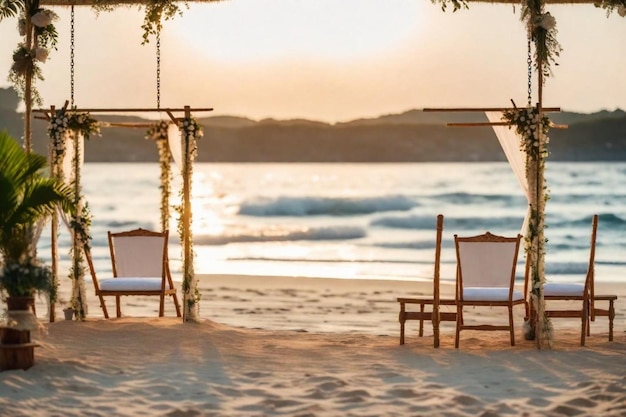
{"x":243,"y":31}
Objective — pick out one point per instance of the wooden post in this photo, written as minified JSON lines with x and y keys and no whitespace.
{"x":28,"y":83}
{"x":539,"y":226}
{"x":189,"y":289}
{"x":436,"y":295}
{"x":54,"y":227}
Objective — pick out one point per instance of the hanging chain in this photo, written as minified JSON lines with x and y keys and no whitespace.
{"x":529,"y":61}
{"x":72,"y":58}
{"x":158,"y":70}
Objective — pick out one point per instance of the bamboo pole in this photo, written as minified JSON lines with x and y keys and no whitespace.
{"x":133,"y":110}
{"x":54,"y":227}
{"x":436,"y":318}
{"x":539,"y":335}
{"x":474,"y":124}
{"x":28,"y":85}
{"x":189,"y":289}
{"x":480,"y":109}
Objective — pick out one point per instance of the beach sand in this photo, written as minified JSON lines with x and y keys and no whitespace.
{"x":283,"y":346}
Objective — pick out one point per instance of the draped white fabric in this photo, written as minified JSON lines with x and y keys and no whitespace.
{"x":68,"y":168}
{"x":175,"y":141}
{"x":510,"y":143}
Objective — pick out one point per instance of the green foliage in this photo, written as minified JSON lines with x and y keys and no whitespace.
{"x":156,"y":12}
{"x":612,"y":5}
{"x":27,"y":197}
{"x":456,"y":4}
{"x":531,"y":126}
{"x":23,"y":280}
{"x":10,"y":8}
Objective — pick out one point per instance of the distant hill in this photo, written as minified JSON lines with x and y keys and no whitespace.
{"x":411,"y":136}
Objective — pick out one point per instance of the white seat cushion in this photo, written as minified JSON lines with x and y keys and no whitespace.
{"x":490,"y":294}
{"x":130,"y":284}
{"x":563,"y":289}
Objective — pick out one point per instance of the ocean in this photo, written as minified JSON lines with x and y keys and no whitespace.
{"x":360,"y":221}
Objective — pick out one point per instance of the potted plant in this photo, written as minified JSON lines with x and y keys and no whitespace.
{"x":27,"y":199}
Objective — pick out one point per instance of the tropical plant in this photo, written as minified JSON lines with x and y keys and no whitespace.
{"x":27,"y":199}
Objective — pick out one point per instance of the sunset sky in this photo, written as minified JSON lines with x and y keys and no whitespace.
{"x":330,"y":60}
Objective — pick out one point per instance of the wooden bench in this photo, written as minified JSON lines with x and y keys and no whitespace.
{"x":423,"y":315}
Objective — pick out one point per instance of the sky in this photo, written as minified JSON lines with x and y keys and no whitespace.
{"x":329,"y":60}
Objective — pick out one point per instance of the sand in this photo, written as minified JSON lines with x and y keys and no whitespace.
{"x":272,"y":346}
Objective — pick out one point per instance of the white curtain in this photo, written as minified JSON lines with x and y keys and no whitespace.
{"x":510,"y":142}
{"x":175,"y":141}
{"x":68,"y":168}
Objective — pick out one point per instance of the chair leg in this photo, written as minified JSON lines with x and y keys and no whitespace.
{"x":118,"y":307}
{"x":590,"y":317}
{"x":162,"y":305}
{"x":459,"y":320}
{"x":402,"y":319}
{"x":176,"y":305}
{"x":103,"y":306}
{"x":611,"y":317}
{"x":435,"y":321}
{"x":511,"y":326}
{"x":421,"y":332}
{"x":584,"y":319}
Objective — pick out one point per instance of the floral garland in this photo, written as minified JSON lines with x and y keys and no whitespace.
{"x":533,"y":127}
{"x":542,"y":30}
{"x":191,"y":131}
{"x":154,"y":13}
{"x":542,"y":27}
{"x":39,"y":37}
{"x":69,"y":123}
{"x":457,"y":4}
{"x":80,"y":226}
{"x":65,"y":120}
{"x":158,"y":133}
{"x":528,"y":122}
{"x":612,"y":5}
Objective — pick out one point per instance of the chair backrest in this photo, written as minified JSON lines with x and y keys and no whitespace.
{"x":138,"y":253}
{"x":589,"y":281}
{"x":486,"y":261}
{"x":436,"y":276}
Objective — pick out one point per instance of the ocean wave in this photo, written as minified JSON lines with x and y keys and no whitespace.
{"x":453,"y":223}
{"x":464,"y":198}
{"x":283,"y":235}
{"x":605,"y":220}
{"x":566,"y":268}
{"x":327,"y":206}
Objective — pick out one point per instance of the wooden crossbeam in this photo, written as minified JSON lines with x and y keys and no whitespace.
{"x":170,"y":112}
{"x":474,"y":124}
{"x":488,"y":109}
{"x":484,"y":109}
{"x":112,"y":3}
{"x":132,"y":110}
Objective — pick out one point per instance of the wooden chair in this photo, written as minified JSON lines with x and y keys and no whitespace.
{"x":435,"y":316}
{"x":486,"y":277}
{"x":582,"y":294}
{"x":140,"y":267}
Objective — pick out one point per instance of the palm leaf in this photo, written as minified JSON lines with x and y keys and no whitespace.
{"x":10,"y":8}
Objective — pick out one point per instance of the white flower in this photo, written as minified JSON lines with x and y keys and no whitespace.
{"x":547,"y":21}
{"x":41,"y":54}
{"x":621,"y":10}
{"x":41,"y":19}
